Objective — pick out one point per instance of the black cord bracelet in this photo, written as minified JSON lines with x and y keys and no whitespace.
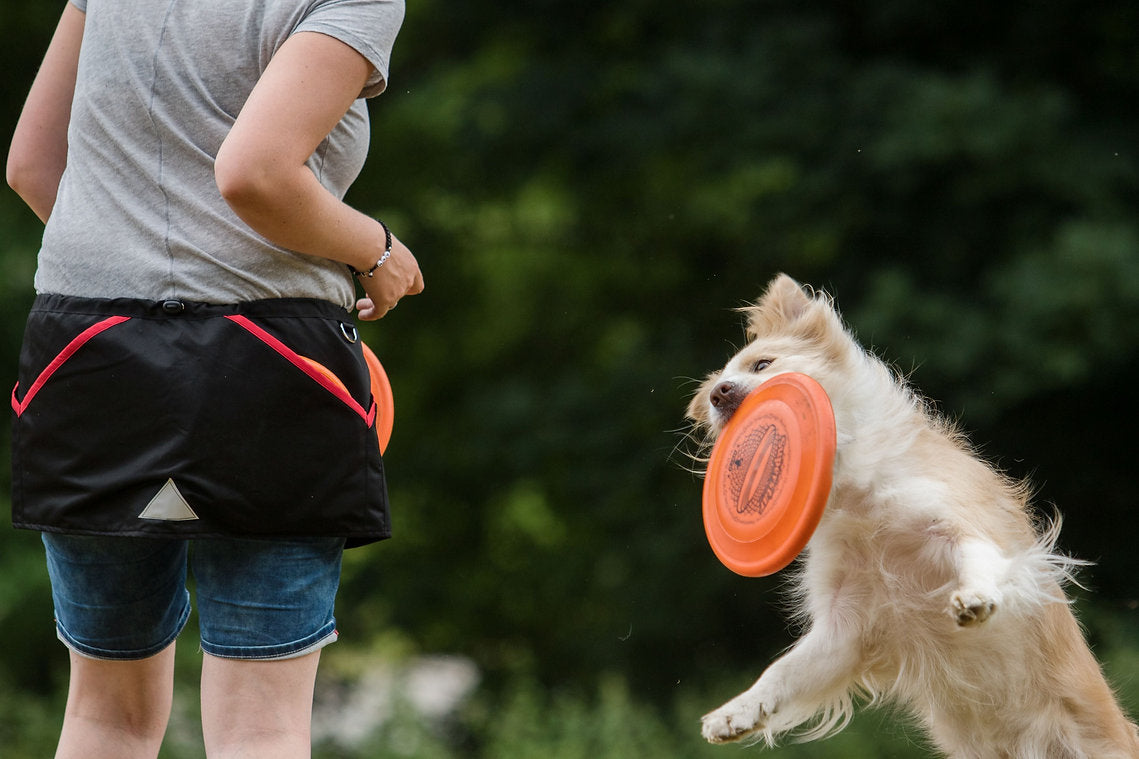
{"x":383,"y":259}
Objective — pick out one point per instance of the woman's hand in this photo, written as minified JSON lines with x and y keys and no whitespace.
{"x":399,"y":276}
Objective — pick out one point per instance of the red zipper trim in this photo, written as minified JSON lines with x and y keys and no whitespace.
{"x":296,"y":360}
{"x":77,"y":343}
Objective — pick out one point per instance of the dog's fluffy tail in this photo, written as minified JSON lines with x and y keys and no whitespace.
{"x":1039,"y":575}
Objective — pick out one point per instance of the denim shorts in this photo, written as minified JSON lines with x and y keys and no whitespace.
{"x":126,"y":597}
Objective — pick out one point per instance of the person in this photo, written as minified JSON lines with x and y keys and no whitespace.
{"x":197,"y":269}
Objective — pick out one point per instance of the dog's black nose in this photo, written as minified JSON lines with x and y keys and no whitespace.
{"x":724,"y":395}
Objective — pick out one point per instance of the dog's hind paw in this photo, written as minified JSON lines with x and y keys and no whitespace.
{"x":972,"y":607}
{"x":734,"y":721}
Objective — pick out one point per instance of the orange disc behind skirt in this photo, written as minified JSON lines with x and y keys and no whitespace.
{"x":381,"y":392}
{"x":769,"y":476}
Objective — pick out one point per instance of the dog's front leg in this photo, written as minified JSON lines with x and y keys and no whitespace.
{"x":980,"y":571}
{"x":816,"y":672}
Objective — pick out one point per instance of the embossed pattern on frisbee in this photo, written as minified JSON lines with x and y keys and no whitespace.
{"x":769,"y":475}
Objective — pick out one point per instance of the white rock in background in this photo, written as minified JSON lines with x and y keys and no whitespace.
{"x":348,"y":712}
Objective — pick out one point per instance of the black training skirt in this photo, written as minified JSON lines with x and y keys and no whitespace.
{"x":172,"y":419}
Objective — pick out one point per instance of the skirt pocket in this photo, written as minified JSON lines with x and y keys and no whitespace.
{"x":61,"y":358}
{"x":319,"y":373}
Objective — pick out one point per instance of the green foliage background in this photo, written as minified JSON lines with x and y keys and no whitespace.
{"x":591,"y":188}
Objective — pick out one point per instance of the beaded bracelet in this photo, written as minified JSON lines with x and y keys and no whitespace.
{"x":383,"y":259}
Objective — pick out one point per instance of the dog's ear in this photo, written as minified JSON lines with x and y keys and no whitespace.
{"x":781,"y":305}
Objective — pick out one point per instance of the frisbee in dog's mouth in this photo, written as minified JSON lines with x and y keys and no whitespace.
{"x":769,"y":475}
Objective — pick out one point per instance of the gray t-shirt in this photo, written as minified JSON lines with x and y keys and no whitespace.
{"x":160,"y":82}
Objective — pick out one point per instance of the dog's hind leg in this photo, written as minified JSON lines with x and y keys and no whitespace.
{"x":813,"y":677}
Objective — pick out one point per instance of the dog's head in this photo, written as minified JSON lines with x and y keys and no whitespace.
{"x":789,"y":329}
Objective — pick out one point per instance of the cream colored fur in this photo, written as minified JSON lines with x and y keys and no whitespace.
{"x":928,"y":583}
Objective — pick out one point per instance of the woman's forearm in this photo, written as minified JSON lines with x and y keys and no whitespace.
{"x":288,"y":206}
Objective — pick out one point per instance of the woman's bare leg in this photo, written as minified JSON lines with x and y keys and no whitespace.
{"x":258,"y":709}
{"x":117,"y":709}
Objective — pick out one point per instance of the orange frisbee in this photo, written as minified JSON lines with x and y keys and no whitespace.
{"x":381,"y":392}
{"x":769,"y":476}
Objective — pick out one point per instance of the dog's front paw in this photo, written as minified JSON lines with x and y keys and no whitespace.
{"x":736,"y":719}
{"x":973,"y":607}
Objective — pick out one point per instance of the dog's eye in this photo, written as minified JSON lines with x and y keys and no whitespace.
{"x":760,"y":365}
